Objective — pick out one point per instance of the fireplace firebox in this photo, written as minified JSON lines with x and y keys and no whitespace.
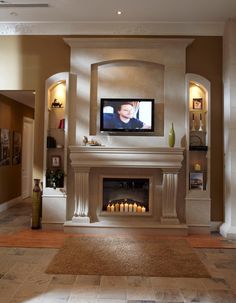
{"x":126,"y":195}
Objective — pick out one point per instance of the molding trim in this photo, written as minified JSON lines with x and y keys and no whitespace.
{"x":113,"y":28}
{"x":8,"y":204}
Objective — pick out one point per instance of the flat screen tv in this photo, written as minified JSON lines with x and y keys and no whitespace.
{"x":127,"y":115}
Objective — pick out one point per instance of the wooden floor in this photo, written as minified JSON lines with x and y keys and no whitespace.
{"x":55,"y":239}
{"x":15,"y":231}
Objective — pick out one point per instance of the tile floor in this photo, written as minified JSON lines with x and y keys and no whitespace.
{"x":22,"y":277}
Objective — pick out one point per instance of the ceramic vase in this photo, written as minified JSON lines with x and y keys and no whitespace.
{"x":172,"y":136}
{"x":37,"y":205}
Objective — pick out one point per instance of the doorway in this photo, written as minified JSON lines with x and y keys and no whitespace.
{"x":27,"y":157}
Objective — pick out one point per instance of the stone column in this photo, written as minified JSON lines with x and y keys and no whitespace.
{"x":81,"y":195}
{"x":228,"y":228}
{"x":169,"y":196}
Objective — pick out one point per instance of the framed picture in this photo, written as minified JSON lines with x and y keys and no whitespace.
{"x":4,"y":146}
{"x":16,"y":148}
{"x":56,"y":161}
{"x":197,"y":103}
{"x":196,"y":180}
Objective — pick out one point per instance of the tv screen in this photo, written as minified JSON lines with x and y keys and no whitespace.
{"x":127,"y":115}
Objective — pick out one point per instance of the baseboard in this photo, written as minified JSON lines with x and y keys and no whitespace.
{"x":8,"y":204}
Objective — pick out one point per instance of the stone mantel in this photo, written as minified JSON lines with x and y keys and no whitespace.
{"x":100,"y":156}
{"x":169,"y":160}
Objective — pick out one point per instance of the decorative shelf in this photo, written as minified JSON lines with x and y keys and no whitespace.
{"x":198,"y":148}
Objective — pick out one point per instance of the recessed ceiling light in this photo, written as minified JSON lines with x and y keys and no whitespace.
{"x":119,"y":12}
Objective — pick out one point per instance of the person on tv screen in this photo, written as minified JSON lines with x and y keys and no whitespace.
{"x":123,"y":119}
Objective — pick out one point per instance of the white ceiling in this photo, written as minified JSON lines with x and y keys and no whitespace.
{"x":82,"y":14}
{"x":149,"y":17}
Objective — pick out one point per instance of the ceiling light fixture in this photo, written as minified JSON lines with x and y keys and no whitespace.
{"x":119,"y":12}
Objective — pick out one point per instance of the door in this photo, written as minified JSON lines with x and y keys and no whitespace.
{"x":27,"y":157}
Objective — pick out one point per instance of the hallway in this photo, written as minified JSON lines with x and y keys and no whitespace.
{"x":22,"y":277}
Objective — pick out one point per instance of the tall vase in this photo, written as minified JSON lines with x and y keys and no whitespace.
{"x":172,"y":136}
{"x":36,"y":207}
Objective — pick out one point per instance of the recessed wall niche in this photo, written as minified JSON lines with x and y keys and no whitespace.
{"x":127,"y":79}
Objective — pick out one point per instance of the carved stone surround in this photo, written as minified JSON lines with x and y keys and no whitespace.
{"x":169,"y":160}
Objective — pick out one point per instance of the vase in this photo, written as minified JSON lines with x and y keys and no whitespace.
{"x":37,"y":205}
{"x":172,"y":136}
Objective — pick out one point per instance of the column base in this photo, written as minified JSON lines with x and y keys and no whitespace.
{"x":80,"y":219}
{"x":228,"y":231}
{"x":166,"y":220}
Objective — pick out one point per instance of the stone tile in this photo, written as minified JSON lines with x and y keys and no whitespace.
{"x":7,"y":290}
{"x":63,"y":279}
{"x":18,"y":273}
{"x":176,"y":283}
{"x":57,"y":292}
{"x":222,"y":296}
{"x":196,"y":295}
{"x":85,"y":291}
{"x":110,"y":301}
{"x":215,"y":283}
{"x":112,"y":292}
{"x":169,"y":295}
{"x":115,"y":281}
{"x":92,"y":280}
{"x":81,"y":300}
{"x":134,"y":281}
{"x":140,"y":293}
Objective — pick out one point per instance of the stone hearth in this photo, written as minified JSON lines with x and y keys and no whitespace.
{"x":167,"y":160}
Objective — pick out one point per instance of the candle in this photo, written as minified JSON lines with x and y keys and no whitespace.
{"x":117,"y":206}
{"x":108,"y":207}
{"x":126,"y":207}
{"x":112,"y":208}
{"x":135,"y":207}
{"x":122,"y":207}
{"x":139,"y":209}
{"x":143,"y":209}
{"x":130,"y":208}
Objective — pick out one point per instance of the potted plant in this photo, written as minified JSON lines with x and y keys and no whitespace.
{"x":55,"y":178}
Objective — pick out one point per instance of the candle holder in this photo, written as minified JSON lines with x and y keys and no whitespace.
{"x":193,"y":124}
{"x":200,"y":123}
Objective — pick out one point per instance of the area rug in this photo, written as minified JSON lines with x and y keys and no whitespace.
{"x":119,"y":256}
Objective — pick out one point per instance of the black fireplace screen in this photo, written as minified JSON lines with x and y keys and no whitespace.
{"x":125,"y":195}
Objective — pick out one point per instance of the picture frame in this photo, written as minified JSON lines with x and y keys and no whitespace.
{"x":16,"y":148}
{"x":197,"y":103}
{"x":196,"y":180}
{"x":55,"y":161}
{"x":4,"y":146}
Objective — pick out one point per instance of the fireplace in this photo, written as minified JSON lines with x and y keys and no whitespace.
{"x":130,"y":196}
{"x":168,"y":161}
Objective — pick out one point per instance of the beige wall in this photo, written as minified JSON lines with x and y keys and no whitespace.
{"x":27,"y":61}
{"x":11,"y":118}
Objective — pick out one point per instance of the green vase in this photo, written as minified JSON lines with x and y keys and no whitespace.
{"x":172,"y":136}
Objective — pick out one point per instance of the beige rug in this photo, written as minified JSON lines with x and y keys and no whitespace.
{"x":127,"y":257}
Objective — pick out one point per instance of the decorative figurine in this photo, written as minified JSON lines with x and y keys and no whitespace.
{"x":85,"y":140}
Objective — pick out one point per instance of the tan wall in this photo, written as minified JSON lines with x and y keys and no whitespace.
{"x":204,"y":57}
{"x":11,"y":118}
{"x":27,"y":61}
